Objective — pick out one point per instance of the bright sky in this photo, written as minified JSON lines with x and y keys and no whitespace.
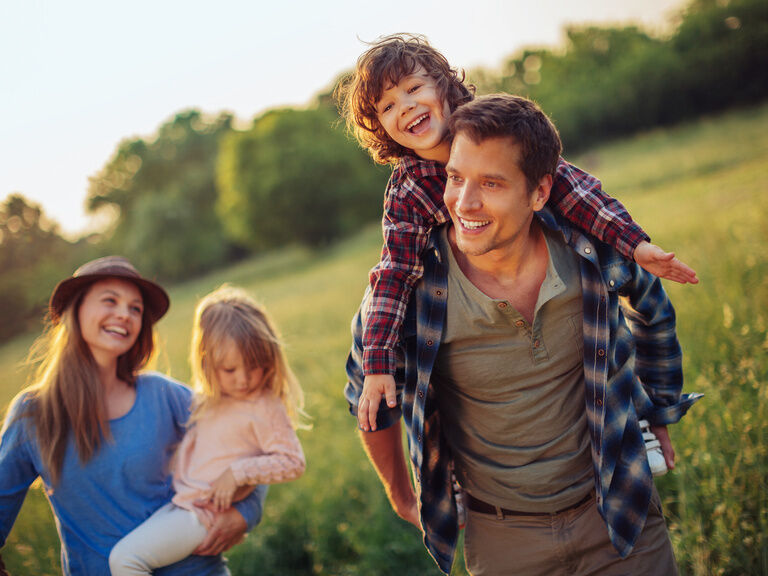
{"x":76,"y":77}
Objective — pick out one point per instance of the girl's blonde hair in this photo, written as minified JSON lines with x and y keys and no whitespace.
{"x":229,"y":315}
{"x":66,"y":395}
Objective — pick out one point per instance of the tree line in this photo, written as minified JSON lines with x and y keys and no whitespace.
{"x":200,"y":194}
{"x":614,"y":81}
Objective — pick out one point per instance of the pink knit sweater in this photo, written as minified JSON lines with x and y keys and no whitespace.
{"x":253,"y":437}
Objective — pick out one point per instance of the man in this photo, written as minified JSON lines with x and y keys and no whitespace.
{"x":519,"y":371}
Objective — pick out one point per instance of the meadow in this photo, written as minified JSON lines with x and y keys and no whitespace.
{"x":699,"y":189}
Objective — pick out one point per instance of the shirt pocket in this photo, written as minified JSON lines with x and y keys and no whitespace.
{"x":616,"y":274}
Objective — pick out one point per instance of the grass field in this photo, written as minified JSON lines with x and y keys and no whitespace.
{"x":699,"y":189}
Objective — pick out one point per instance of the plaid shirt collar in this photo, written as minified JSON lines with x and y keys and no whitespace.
{"x":618,"y":390}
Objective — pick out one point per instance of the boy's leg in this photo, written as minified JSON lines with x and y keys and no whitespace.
{"x":169,"y":535}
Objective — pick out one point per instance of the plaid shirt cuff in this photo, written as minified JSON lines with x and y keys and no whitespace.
{"x":378,"y":361}
{"x":672,"y":414}
{"x":629,"y":238}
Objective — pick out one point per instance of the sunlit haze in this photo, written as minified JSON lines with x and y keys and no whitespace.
{"x":77,"y":77}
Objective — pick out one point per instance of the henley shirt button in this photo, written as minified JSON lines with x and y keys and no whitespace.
{"x":588,"y":250}
{"x":611,"y":283}
{"x":502,"y":304}
{"x":418,"y":437}
{"x":599,"y":402}
{"x":536,"y":343}
{"x":601,"y":352}
{"x":519,"y":323}
{"x":429,"y":342}
{"x":421,"y":394}
{"x":439,"y":292}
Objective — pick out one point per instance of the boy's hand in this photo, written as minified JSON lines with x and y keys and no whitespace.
{"x":664,"y":264}
{"x":222,"y":491}
{"x":374,"y":386}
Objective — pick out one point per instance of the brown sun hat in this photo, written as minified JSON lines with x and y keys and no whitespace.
{"x":155,"y":298}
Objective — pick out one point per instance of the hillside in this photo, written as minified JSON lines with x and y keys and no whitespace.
{"x":698,"y":189}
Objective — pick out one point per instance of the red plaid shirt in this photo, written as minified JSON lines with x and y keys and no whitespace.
{"x":413,"y":205}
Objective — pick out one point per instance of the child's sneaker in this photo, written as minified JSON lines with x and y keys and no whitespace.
{"x":653,"y":448}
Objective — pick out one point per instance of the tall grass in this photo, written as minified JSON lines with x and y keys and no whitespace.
{"x":699,"y":189}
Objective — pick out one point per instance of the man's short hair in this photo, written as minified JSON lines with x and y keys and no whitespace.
{"x":507,"y":116}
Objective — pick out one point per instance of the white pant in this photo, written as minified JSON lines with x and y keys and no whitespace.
{"x":169,"y":535}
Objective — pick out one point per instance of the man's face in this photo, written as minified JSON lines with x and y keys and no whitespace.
{"x":414,"y":115}
{"x":487,"y":195}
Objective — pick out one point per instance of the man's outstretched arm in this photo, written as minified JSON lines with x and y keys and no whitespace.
{"x":385,"y":451}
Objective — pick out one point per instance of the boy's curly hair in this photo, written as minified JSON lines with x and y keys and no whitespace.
{"x":384,"y":64}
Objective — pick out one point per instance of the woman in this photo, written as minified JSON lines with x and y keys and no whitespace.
{"x":99,"y":433}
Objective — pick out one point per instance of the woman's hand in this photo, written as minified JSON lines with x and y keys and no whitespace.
{"x":229,"y":528}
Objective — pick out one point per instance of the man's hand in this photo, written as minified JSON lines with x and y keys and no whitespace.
{"x":228,"y":529}
{"x":374,"y":386}
{"x":664,"y":264}
{"x":662,"y":435}
{"x":222,"y":490}
{"x":408,"y":511}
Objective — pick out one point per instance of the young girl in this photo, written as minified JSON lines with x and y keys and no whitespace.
{"x":241,"y":431}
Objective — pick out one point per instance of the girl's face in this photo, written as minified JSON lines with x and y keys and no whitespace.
{"x":110,"y":318}
{"x":414,"y":115}
{"x":234,"y":378}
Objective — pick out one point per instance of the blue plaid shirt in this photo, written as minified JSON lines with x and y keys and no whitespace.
{"x":632,"y":370}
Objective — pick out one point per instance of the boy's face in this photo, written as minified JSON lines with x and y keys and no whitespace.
{"x":414,"y":115}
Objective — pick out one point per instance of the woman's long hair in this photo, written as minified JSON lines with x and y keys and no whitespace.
{"x":229,"y":315}
{"x":66,"y":395}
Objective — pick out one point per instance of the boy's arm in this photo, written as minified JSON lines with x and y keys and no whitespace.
{"x":412,"y":207}
{"x":353,"y":391}
{"x":579,"y":197}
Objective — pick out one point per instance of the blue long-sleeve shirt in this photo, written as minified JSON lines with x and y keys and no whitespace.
{"x":126,"y":480}
{"x":628,"y":375}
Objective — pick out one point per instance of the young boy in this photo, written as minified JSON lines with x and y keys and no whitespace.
{"x":397,"y":104}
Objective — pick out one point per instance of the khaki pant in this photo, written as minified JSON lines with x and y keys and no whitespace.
{"x":572,"y":542}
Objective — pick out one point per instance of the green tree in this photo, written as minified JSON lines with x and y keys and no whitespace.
{"x":33,"y":257}
{"x":612,"y":81}
{"x":295,"y":176}
{"x":163,"y":194}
